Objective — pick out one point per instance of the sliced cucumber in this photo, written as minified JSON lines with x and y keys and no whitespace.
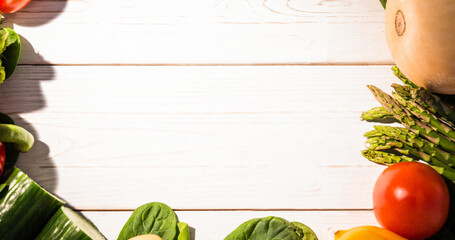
{"x":25,"y":207}
{"x":66,"y":224}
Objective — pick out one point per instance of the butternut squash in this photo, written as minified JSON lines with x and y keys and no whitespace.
{"x":421,"y":38}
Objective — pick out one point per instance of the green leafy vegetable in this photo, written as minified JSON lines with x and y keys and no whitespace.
{"x":184,"y":230}
{"x":383,"y":2}
{"x":10,"y":49}
{"x":271,"y":228}
{"x":154,"y":218}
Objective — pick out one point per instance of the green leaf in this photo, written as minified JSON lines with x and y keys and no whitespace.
{"x":271,"y":228}
{"x":307,"y":232}
{"x":10,"y":49}
{"x":184,"y":231}
{"x":151,"y":218}
{"x":383,"y":2}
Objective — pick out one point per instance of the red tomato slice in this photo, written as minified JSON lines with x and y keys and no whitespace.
{"x":12,"y":6}
{"x":2,"y":157}
{"x":411,"y":199}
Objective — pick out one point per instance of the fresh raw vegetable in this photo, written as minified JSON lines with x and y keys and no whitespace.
{"x":2,"y":157}
{"x":15,"y":139}
{"x":420,"y":35}
{"x":411,"y":199}
{"x":367,"y":233}
{"x":378,"y":114}
{"x":154,"y":218}
{"x":25,"y":207}
{"x":429,"y":121}
{"x":383,"y":2}
{"x":20,"y":137}
{"x":10,"y":49}
{"x":11,"y":6}
{"x":146,"y":237}
{"x":271,"y":228}
{"x":66,"y":224}
{"x":184,"y":231}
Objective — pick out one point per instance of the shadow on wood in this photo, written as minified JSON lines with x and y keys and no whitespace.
{"x":19,"y":95}
{"x":37,"y":13}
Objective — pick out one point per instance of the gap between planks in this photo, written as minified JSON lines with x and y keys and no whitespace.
{"x":214,"y":64}
{"x":241,"y":210}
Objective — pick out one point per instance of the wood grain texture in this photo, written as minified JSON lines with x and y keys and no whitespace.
{"x":251,"y":137}
{"x":209,"y":225}
{"x":202,"y":32}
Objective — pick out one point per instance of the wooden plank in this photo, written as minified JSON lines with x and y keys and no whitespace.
{"x":251,"y":137}
{"x":201,"y":32}
{"x":207,"y":225}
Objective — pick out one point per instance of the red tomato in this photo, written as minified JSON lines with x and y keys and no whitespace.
{"x":11,"y":6}
{"x":2,"y":157}
{"x":411,"y":199}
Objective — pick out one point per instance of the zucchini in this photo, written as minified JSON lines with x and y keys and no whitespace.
{"x":25,"y":207}
{"x":66,"y":224}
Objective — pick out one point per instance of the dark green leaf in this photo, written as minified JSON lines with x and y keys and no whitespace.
{"x":10,"y":49}
{"x":271,"y":228}
{"x":152,"y":218}
{"x":383,"y":2}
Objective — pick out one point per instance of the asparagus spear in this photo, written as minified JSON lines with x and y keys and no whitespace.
{"x":403,"y":78}
{"x":425,"y":116}
{"x":441,"y":107}
{"x":378,"y":114}
{"x":384,"y":158}
{"x":412,"y":140}
{"x":428,"y":100}
{"x":386,"y":143}
{"x":409,"y":121}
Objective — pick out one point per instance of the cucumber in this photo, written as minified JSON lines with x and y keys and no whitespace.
{"x":66,"y":224}
{"x":25,"y":207}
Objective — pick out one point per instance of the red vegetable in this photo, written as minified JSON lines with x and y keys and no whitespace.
{"x":411,"y":199}
{"x":12,"y":6}
{"x":2,"y":157}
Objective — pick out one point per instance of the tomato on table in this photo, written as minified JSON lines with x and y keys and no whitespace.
{"x":411,"y":199}
{"x":12,"y":6}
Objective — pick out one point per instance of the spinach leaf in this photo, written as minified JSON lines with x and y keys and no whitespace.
{"x":383,"y":2}
{"x":10,"y":49}
{"x":184,"y":230}
{"x":271,"y":228}
{"x":154,"y":218}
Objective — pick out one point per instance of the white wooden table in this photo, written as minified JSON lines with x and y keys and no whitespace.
{"x":224,"y":110}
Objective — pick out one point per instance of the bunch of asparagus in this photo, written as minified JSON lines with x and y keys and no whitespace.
{"x":429,"y":127}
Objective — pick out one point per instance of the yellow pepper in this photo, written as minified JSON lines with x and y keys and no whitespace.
{"x":367,"y":232}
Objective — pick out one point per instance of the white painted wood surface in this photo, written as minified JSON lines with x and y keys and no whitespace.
{"x":144,"y":100}
{"x":202,"y":32}
{"x":197,"y":137}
